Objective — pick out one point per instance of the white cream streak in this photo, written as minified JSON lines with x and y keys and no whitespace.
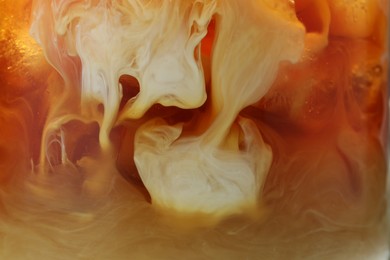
{"x":153,"y":41}
{"x":158,"y":43}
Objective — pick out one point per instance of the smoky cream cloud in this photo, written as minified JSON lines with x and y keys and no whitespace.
{"x":220,"y":169}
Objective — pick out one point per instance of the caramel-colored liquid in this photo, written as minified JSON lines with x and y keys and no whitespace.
{"x":324,"y":117}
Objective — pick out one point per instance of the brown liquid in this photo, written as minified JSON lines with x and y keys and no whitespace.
{"x":323,"y":198}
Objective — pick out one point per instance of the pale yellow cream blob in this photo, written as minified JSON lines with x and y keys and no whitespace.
{"x":223,"y":170}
